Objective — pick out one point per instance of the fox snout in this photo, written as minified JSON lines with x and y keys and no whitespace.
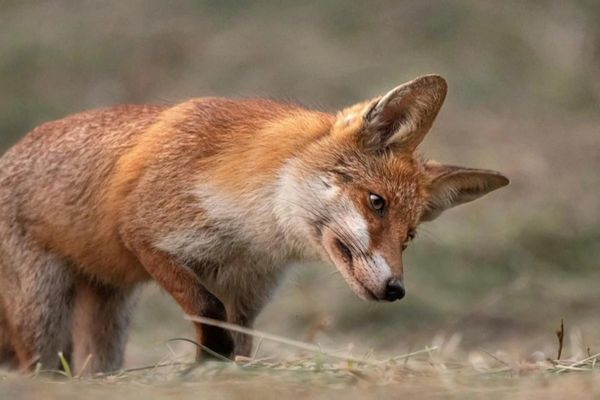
{"x":394,"y":290}
{"x":369,"y":275}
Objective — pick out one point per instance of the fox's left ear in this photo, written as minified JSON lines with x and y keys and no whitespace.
{"x":401,"y":118}
{"x":451,"y":186}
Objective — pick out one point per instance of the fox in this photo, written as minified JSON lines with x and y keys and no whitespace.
{"x":212,"y":199}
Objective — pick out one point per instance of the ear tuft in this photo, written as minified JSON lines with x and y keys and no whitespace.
{"x":451,"y":186}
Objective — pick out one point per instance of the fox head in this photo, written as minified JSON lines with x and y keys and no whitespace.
{"x":360,"y":192}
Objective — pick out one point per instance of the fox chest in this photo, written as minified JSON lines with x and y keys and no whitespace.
{"x":227,"y":265}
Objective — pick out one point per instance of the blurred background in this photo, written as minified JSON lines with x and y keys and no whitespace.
{"x":524,"y":98}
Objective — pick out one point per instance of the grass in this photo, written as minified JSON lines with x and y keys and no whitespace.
{"x":312,"y":371}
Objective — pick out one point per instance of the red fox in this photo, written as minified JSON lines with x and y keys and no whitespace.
{"x":211,"y":199}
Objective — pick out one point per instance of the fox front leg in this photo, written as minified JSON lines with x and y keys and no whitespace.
{"x":195,"y":300}
{"x":247,"y":302}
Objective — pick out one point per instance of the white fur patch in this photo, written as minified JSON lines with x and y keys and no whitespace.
{"x":324,"y":188}
{"x":266,"y":222}
{"x":298,"y":201}
{"x":357,"y":225}
{"x":192,"y":244}
{"x":290,"y":201}
{"x":381,"y":269}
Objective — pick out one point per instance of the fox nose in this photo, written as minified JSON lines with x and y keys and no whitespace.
{"x":394,"y":290}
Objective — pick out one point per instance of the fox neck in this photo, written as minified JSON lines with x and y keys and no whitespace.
{"x":260,"y":222}
{"x":259,"y":209}
{"x":296,"y":195}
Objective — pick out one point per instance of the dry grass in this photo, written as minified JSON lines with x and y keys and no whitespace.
{"x":312,"y":371}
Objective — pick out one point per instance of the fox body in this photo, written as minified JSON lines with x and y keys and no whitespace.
{"x":211,"y":199}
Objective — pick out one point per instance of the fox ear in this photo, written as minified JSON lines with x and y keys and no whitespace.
{"x":451,"y":186}
{"x":401,"y":118}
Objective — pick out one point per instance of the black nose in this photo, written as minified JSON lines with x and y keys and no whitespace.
{"x":394,"y":290}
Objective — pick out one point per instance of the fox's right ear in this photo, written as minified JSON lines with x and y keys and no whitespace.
{"x":401,"y":118}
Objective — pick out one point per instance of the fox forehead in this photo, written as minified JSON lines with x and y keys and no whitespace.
{"x":398,"y":179}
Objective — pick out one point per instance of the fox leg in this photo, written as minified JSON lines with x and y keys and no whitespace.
{"x":101,"y":319}
{"x":243,"y":342}
{"x":36,"y":289}
{"x":245,"y":304}
{"x":7,"y":354}
{"x":195,"y":300}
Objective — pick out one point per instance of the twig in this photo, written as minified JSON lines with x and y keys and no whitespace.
{"x":149,"y":367}
{"x":84,"y":366}
{"x":495,"y":358}
{"x":257,"y":349}
{"x":203,"y":347}
{"x":560,"y":334}
{"x":279,"y":339}
{"x":427,"y":350}
{"x":578,"y":363}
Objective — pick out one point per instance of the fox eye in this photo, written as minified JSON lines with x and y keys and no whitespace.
{"x":377,"y":202}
